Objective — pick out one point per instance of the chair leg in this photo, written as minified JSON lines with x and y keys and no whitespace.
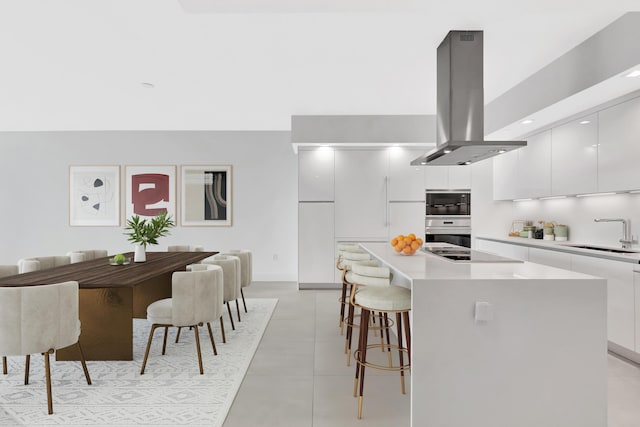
{"x":224,"y":338}
{"x":364,"y":331}
{"x":164,"y":341}
{"x":381,"y":332}
{"x":195,"y":331}
{"x":47,"y":373}
{"x":398,"y":328}
{"x":233,"y":327}
{"x":343,"y":297}
{"x":178,"y":334}
{"x":243,"y":301}
{"x":84,"y":364}
{"x":27,"y":363}
{"x":407,"y":333}
{"x":146,"y":353}
{"x":213,"y":343}
{"x":386,"y":328}
{"x":4,"y":365}
{"x":238,"y":310}
{"x":347,"y":343}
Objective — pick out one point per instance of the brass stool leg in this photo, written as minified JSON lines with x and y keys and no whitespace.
{"x":4,"y":365}
{"x":233,"y":327}
{"x":224,"y":338}
{"x":398,"y":328}
{"x":343,"y":297}
{"x":27,"y":362}
{"x":146,"y":353}
{"x":195,"y":331}
{"x":47,"y":373}
{"x":349,"y":336}
{"x":362,"y":357}
{"x":407,"y":333}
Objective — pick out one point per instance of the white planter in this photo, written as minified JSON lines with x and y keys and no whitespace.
{"x":140,"y":254}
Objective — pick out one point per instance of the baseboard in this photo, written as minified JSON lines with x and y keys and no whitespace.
{"x":321,"y":286}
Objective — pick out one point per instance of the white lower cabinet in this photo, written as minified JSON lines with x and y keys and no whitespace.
{"x":620,"y":295}
{"x":550,"y":258}
{"x":503,"y":249}
{"x":636,"y":289}
{"x":316,"y":243}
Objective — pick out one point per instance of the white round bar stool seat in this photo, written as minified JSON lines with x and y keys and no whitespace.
{"x":349,"y":254}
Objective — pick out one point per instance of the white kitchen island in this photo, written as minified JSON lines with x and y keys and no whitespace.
{"x":539,"y":361}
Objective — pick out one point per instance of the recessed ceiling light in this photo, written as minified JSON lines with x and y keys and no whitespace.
{"x":522,"y":200}
{"x":148,"y":85}
{"x":553,"y":197}
{"x":423,"y":163}
{"x":526,"y":122}
{"x":634,"y":73}
{"x":595,"y":194}
{"x":447,"y":151}
{"x":502,"y":151}
{"x":467,"y":162}
{"x":585,"y":122}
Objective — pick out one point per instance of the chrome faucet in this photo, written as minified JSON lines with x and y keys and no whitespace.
{"x":627,"y":238}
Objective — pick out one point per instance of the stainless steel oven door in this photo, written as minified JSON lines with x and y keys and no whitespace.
{"x":448,"y":203}
{"x":455,"y":232}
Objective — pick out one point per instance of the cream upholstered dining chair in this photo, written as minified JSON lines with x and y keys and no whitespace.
{"x":26,"y":265}
{"x":86,"y":255}
{"x":246,"y":265}
{"x":185,"y":248}
{"x":7,"y":270}
{"x":231,"y":271}
{"x":40,"y":319}
{"x":196,"y":298}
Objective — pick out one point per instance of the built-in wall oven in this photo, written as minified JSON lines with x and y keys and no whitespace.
{"x":448,"y":217}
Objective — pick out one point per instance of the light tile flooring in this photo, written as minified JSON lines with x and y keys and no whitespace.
{"x":298,"y":376}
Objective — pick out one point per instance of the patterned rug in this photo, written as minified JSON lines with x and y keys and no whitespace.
{"x":171,"y":392}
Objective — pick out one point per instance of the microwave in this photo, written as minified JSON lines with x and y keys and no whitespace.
{"x":448,"y":203}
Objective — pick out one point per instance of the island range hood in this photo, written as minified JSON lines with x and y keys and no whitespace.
{"x":460,"y":106}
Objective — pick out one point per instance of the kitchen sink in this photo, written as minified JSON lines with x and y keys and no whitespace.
{"x":599,"y":248}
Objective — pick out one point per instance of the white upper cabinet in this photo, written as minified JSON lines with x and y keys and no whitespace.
{"x":574,"y":158}
{"x":619,"y":147}
{"x":406,"y":182}
{"x":447,"y":177}
{"x":361,"y":193}
{"x":534,"y":167}
{"x":505,"y":176}
{"x":459,"y":177}
{"x":315,"y":175}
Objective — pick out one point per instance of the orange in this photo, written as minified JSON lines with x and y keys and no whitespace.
{"x":407,"y":250}
{"x":394,"y":241}
{"x":415,"y":245}
{"x":401,"y":244}
{"x":397,"y":248}
{"x":419,"y":240}
{"x":413,"y":236}
{"x":408,"y":240}
{"x":400,"y":237}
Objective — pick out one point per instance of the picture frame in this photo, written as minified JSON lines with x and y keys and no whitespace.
{"x":94,"y":195}
{"x":150,"y":190}
{"x":206,"y":195}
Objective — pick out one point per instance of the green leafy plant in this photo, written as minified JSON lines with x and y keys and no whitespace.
{"x":147,"y":231}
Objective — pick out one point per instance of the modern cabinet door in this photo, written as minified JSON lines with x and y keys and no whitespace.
{"x":503,"y":249}
{"x":459,"y":177}
{"x":406,"y":218}
{"x":505,"y":176}
{"x":315,"y":175}
{"x":636,"y":285}
{"x":436,"y":177}
{"x":534,"y":167}
{"x":620,"y":295}
{"x":550,"y":258}
{"x":361,"y":193}
{"x":315,"y":242}
{"x":406,"y":182}
{"x":619,"y":147}
{"x":574,"y":157}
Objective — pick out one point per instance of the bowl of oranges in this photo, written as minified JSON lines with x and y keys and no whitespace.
{"x":406,"y":245}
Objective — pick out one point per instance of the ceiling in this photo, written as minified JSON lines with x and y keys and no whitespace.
{"x":251,"y":64}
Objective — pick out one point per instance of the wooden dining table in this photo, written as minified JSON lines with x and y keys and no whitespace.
{"x":111,"y":296}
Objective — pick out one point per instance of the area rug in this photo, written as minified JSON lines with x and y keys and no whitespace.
{"x":170,"y":393}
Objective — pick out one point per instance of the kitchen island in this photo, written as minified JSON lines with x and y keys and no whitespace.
{"x":508,"y":344}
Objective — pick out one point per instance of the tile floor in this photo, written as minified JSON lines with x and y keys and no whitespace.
{"x":298,"y":376}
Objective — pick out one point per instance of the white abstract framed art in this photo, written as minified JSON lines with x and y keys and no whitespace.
{"x":94,"y":195}
{"x":206,"y":195}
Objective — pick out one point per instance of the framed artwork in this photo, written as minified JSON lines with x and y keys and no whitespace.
{"x":94,"y":195}
{"x":150,"y":190}
{"x":206,"y":195}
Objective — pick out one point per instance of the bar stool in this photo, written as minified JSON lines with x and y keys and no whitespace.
{"x":378,"y":295}
{"x":348,"y":254}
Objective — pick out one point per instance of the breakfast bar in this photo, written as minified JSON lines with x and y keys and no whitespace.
{"x":502,"y":344}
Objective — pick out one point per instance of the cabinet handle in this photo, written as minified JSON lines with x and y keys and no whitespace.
{"x":386,"y":201}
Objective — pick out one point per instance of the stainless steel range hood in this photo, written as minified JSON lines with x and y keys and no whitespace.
{"x":460,"y":109}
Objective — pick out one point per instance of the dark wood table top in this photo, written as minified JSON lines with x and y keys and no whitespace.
{"x":99,"y":273}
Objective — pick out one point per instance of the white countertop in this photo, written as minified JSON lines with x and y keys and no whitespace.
{"x":633,"y":258}
{"x":426,"y":266}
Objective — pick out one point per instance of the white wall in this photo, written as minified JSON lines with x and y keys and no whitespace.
{"x":493,"y":218}
{"x":34,"y":192}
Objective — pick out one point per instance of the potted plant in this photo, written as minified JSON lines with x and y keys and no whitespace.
{"x":145,"y":232}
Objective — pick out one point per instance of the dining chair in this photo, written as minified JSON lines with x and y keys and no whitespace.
{"x":231,"y":271}
{"x":86,"y":255}
{"x":246,"y":265}
{"x":7,"y":270}
{"x":40,"y":319}
{"x":196,"y":299}
{"x":185,"y":248}
{"x":26,"y":265}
